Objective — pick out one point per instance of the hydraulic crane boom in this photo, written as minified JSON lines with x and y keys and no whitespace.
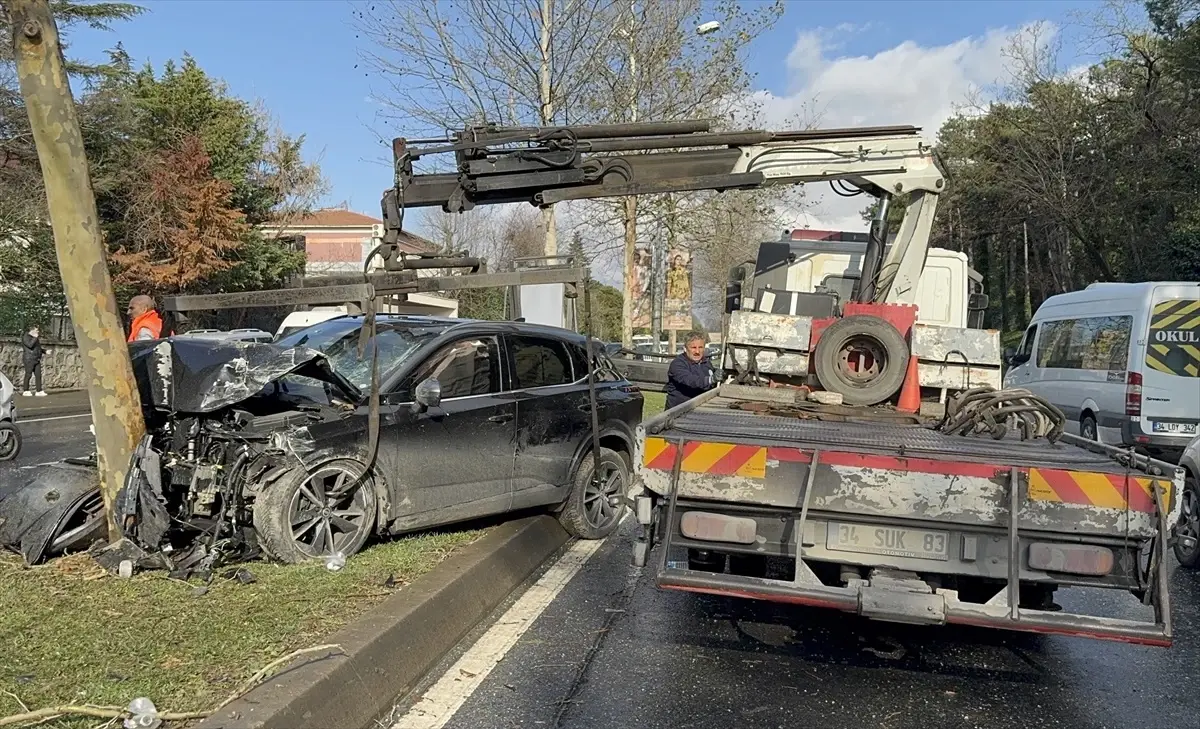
{"x":546,"y":165}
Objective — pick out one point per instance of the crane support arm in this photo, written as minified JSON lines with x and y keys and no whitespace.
{"x":546,"y":165}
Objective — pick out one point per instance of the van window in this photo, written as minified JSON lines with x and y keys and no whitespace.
{"x":1174,"y":346}
{"x":1094,"y":343}
{"x":1026,"y":349}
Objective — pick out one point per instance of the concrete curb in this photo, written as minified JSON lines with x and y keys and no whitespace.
{"x":389,"y":650}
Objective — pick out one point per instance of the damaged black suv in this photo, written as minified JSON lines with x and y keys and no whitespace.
{"x":270,"y":445}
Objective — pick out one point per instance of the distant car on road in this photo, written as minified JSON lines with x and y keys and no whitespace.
{"x":1187,"y":545}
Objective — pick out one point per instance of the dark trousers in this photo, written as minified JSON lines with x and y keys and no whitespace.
{"x":34,"y":370}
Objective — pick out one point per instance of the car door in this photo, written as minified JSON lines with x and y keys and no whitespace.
{"x":552,"y":407}
{"x":454,"y":461}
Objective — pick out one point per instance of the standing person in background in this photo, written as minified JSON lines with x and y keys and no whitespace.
{"x":690,"y":374}
{"x":31,"y":357}
{"x":145,"y":323}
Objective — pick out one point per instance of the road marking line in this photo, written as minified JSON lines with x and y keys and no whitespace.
{"x":439,"y":704}
{"x":54,"y":417}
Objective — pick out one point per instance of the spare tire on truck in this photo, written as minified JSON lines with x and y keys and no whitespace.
{"x":863,"y":358}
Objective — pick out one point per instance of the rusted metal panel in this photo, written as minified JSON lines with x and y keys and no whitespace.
{"x":793,"y":364}
{"x":770,"y":331}
{"x":951,"y":344}
{"x":957,"y":376}
{"x":970,"y":494}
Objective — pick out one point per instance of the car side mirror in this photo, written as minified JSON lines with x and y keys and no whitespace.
{"x":1009,"y":353}
{"x":428,"y":394}
{"x":978,"y":302}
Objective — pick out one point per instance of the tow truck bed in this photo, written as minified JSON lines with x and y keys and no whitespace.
{"x":716,"y":416}
{"x":886,"y":470}
{"x":909,"y":516}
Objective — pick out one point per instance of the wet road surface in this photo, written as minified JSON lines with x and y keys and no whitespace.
{"x":51,"y":440}
{"x":610,"y":650}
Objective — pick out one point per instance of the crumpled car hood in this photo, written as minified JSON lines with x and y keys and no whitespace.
{"x":193,"y":375}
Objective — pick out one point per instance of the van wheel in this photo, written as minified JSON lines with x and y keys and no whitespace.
{"x":1087,"y":428}
{"x":1189,"y":526}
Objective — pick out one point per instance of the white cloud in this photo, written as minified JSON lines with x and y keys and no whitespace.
{"x":907,"y":84}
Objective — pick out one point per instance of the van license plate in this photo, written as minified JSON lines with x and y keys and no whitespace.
{"x":892,"y":541}
{"x":1174,"y":428}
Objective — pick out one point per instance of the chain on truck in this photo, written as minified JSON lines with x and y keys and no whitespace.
{"x":856,"y":455}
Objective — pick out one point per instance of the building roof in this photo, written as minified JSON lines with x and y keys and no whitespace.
{"x":342,"y":218}
{"x":335,"y":218}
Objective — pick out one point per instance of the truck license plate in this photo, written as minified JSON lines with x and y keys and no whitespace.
{"x":869,"y":539}
{"x":1174,"y":428}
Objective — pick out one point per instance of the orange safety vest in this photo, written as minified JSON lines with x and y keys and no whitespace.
{"x":149,"y":320}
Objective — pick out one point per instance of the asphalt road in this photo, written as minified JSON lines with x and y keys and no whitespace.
{"x":610,"y":650}
{"x":47,"y":440}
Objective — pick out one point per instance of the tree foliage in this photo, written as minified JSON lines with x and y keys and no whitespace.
{"x":193,"y":185}
{"x":1075,"y":178}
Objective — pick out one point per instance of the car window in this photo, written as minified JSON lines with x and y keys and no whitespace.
{"x":539,"y":362}
{"x":463,"y":368}
{"x":337,"y":339}
{"x":605,"y":370}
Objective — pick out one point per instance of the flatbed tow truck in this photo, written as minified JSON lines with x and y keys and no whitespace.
{"x":851,"y":457}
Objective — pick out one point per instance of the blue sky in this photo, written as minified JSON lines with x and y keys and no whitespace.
{"x":300,"y":57}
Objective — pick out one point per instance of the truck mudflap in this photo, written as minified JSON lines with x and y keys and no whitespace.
{"x":894,"y":596}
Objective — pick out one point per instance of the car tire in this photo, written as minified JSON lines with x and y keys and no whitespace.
{"x":1088,"y":429}
{"x":588,"y":512}
{"x":889,"y":360}
{"x":10,"y":441}
{"x":342,"y":525}
{"x":1189,"y":525}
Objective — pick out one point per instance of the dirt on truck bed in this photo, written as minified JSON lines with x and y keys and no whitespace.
{"x":717,"y":417}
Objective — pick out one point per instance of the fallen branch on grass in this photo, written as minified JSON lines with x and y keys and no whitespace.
{"x":96,"y":712}
{"x":116,"y":712}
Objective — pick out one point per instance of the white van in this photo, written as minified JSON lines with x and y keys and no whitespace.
{"x":1121,"y":360}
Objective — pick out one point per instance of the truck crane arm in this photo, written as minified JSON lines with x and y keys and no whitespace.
{"x":546,"y":165}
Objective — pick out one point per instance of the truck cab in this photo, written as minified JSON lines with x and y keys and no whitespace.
{"x":950,"y":292}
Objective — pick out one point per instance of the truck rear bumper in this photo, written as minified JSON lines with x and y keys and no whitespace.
{"x":905,"y":606}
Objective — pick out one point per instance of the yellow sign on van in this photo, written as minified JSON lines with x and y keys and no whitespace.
{"x":1174,"y":346}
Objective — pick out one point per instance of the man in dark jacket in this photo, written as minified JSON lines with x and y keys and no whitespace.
{"x":31,"y":357}
{"x":690,"y":374}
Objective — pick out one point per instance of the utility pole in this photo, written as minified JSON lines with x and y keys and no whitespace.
{"x":630,"y":208}
{"x":546,"y":114}
{"x":116,"y":405}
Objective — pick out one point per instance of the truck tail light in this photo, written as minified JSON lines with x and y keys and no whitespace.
{"x":1075,"y":559}
{"x":1133,"y":394}
{"x":708,"y":527}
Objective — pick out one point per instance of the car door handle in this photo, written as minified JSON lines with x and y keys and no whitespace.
{"x":504,"y":418}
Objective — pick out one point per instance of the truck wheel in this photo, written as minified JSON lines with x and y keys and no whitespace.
{"x":1189,"y":525}
{"x":308,"y":515}
{"x":863,"y":358}
{"x":589,"y":512}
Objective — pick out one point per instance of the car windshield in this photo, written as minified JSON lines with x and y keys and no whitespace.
{"x":337,"y":339}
